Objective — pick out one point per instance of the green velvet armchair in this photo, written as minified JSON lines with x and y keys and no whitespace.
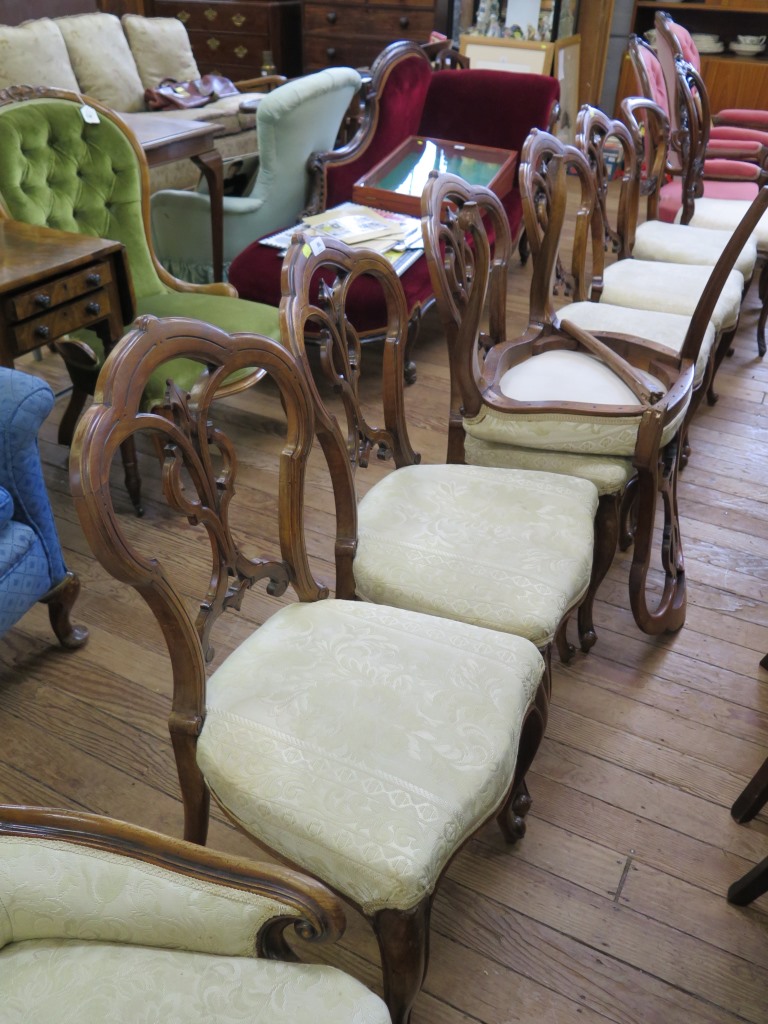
{"x":301,"y":118}
{"x":68,"y":162}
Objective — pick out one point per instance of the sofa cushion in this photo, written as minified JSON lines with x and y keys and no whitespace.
{"x":102,"y":60}
{"x":161,"y":49}
{"x":35,"y":53}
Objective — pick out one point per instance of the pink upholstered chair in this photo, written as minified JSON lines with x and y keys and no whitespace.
{"x":400,"y":78}
{"x":492,"y":108}
{"x":732,"y":125}
{"x":721,"y":178}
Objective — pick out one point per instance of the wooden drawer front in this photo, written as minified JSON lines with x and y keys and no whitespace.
{"x":327,"y":52}
{"x":390,"y":22}
{"x":215,"y":18}
{"x":235,"y":51}
{"x":45,"y":298}
{"x":83,"y":312}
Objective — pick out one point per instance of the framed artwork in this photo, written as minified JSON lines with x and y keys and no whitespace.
{"x":522,"y":19}
{"x":521,"y":55}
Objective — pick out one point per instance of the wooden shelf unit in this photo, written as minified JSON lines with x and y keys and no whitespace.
{"x":731,"y":81}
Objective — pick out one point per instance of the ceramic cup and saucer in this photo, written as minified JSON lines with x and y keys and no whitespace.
{"x":747,"y":46}
{"x":707,"y":43}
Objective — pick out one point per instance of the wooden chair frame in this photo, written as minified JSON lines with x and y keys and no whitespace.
{"x":455,"y":217}
{"x":203,"y":497}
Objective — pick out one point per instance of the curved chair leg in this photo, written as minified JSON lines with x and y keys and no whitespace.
{"x":511,"y":817}
{"x":628,"y":515}
{"x":762,"y":291}
{"x":606,"y":539}
{"x":77,"y":400}
{"x":753,"y":797}
{"x":722,"y":349}
{"x":403,"y":937}
{"x":764,"y":662}
{"x":750,"y":886}
{"x":60,"y":600}
{"x":414,"y":326}
{"x":195,"y":794}
{"x":565,"y":649}
{"x":669,"y":612}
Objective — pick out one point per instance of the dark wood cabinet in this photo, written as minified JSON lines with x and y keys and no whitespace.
{"x":353,"y":33}
{"x":231,"y":36}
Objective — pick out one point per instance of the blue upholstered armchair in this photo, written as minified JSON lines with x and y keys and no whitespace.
{"x":31,"y":564}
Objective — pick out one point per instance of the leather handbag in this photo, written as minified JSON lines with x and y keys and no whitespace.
{"x":170,"y":94}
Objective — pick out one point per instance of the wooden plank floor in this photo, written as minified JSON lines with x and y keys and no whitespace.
{"x":613,"y":906}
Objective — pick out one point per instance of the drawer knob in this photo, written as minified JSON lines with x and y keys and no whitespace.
{"x":404,"y":22}
{"x":331,"y":17}
{"x":43,"y":300}
{"x":93,"y":279}
{"x":330,"y":53}
{"x":42,"y":331}
{"x":93,"y":308}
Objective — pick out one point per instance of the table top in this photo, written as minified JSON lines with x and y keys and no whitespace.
{"x":28,"y":253}
{"x":155,"y":129}
{"x":400,"y":178}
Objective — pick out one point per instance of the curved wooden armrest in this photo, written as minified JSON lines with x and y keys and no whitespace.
{"x":215,"y":288}
{"x":321,"y":918}
{"x":624,"y":370}
{"x":265,"y":83}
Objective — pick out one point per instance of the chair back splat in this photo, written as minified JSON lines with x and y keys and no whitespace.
{"x":334,"y":733}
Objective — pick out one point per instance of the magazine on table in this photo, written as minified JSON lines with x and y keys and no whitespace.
{"x":394,"y":235}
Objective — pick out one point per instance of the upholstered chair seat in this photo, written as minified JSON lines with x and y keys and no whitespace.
{"x":683,"y":243}
{"x":725,"y":214}
{"x":670,"y":288}
{"x":316,"y":740}
{"x":424,"y":527}
{"x":94,"y":931}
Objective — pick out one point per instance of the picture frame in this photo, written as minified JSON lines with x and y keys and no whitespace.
{"x":505,"y":54}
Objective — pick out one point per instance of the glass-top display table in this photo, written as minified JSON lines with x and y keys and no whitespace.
{"x":397,"y":182}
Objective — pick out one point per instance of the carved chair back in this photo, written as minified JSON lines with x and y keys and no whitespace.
{"x":606,"y":142}
{"x":456,"y":241}
{"x":649,"y":127}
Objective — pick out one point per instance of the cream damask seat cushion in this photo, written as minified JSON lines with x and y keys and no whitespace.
{"x":89,"y":936}
{"x":725,"y":215}
{"x":367,"y":774}
{"x":665,"y":329}
{"x":508,"y":551}
{"x":670,"y":288}
{"x":659,"y":241}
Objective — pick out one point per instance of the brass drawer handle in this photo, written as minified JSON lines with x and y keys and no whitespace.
{"x":331,"y":17}
{"x":238,"y":20}
{"x":42,"y":331}
{"x":240,"y":52}
{"x":93,"y":308}
{"x":93,"y":279}
{"x":183,"y":17}
{"x":212,"y":43}
{"x":43,"y":300}
{"x":210,"y":14}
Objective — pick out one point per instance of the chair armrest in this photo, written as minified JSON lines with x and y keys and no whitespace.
{"x":25,"y":401}
{"x":64,"y":874}
{"x":265,"y":83}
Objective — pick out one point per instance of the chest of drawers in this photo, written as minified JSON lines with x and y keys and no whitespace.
{"x":230,"y":36}
{"x":353,"y":33}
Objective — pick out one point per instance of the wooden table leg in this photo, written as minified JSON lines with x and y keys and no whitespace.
{"x":210,"y":164}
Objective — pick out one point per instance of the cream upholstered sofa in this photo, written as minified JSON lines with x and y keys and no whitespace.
{"x":114,"y":62}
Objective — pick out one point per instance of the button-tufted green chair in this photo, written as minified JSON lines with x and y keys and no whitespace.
{"x":59,"y":170}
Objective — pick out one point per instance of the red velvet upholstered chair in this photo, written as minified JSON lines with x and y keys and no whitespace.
{"x":491,"y":108}
{"x":400,"y":78}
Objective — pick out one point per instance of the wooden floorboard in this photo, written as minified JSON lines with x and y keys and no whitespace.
{"x":612,"y":908}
